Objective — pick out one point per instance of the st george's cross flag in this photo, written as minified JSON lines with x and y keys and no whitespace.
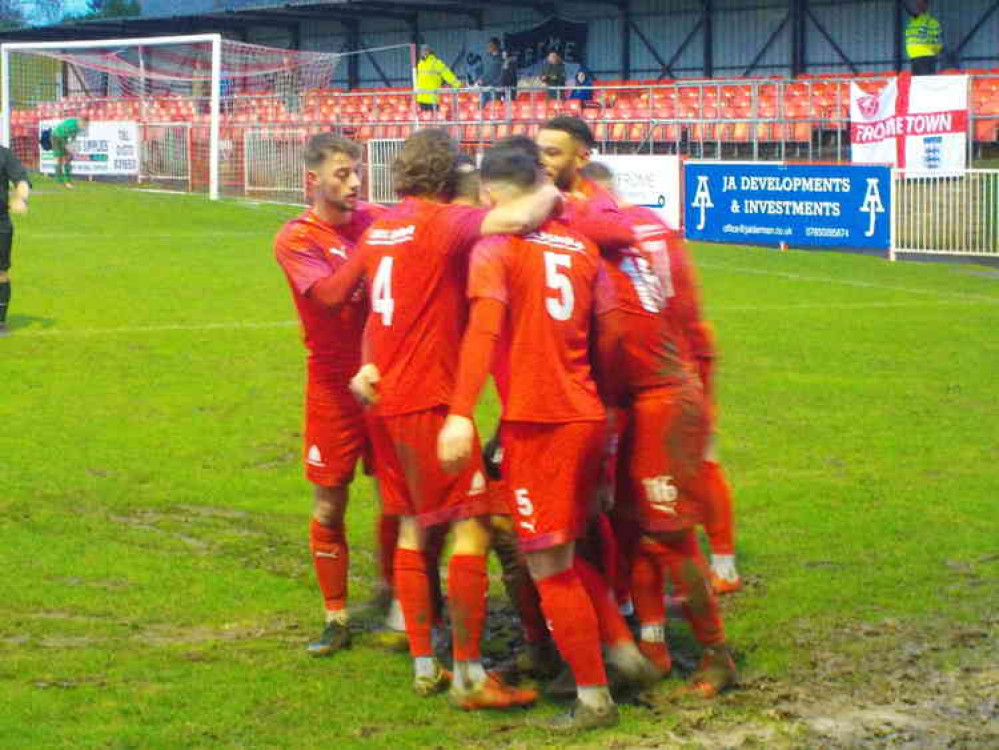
{"x":919,"y":124}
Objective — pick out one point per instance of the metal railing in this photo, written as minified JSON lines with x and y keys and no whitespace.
{"x":945,"y":214}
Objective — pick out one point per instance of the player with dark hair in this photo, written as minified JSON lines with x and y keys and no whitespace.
{"x":414,"y":260}
{"x":12,"y":172}
{"x":310,"y":249}
{"x":538,"y":292}
{"x":698,"y":350}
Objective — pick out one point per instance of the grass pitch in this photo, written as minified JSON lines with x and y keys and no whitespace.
{"x":157,"y":591}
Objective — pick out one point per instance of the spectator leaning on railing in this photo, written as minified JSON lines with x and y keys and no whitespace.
{"x":923,"y":40}
{"x":431,"y":73}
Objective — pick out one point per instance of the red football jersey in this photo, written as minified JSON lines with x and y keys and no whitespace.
{"x":684,"y":303}
{"x":548,"y":281}
{"x":415,"y":261}
{"x":642,"y":289}
{"x":309,"y":249}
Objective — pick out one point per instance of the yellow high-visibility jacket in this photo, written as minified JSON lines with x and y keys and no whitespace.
{"x":431,"y":72}
{"x":922,"y":37}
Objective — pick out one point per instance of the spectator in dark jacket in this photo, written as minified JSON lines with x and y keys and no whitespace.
{"x":553,"y":74}
{"x":492,"y":72}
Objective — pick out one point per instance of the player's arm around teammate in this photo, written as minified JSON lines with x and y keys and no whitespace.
{"x":12,"y":172}
{"x":518,"y":217}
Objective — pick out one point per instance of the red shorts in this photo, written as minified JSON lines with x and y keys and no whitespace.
{"x":335,"y":435}
{"x":410,"y":477}
{"x":551,"y":473}
{"x":660,"y":456}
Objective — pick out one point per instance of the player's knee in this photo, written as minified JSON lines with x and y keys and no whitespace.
{"x":329,"y":505}
{"x":410,"y":534}
{"x":4,"y":277}
{"x":471,"y":536}
{"x":551,"y":561}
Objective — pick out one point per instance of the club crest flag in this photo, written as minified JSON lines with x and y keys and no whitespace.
{"x":919,"y":124}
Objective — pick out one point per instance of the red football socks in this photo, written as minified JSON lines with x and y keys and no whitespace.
{"x":388,"y":533}
{"x":613,"y":628}
{"x":413,"y":592}
{"x":573,"y":622}
{"x":719,"y":521}
{"x":647,"y":583}
{"x":689,"y":570}
{"x":331,"y":557}
{"x":467,"y":586}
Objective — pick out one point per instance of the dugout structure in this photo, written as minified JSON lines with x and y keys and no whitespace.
{"x":195,"y":113}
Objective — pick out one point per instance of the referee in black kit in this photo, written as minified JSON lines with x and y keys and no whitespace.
{"x":12,"y":172}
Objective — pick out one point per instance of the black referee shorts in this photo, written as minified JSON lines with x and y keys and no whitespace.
{"x":6,"y":240}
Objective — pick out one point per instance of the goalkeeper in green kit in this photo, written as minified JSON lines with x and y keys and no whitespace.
{"x":63,"y":136}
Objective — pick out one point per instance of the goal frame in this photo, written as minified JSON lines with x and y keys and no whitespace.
{"x":214,"y":40}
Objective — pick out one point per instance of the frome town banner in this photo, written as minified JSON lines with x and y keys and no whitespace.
{"x":919,"y":123}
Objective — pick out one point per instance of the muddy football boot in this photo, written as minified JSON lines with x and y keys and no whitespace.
{"x":581,"y":718}
{"x":715,"y":672}
{"x":492,"y":692}
{"x":335,"y":636}
{"x":438,"y":682}
{"x":723,"y":586}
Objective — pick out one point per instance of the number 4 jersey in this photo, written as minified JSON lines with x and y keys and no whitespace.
{"x":415,"y":261}
{"x":548,"y":281}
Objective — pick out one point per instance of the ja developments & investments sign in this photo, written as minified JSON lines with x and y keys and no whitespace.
{"x":798,"y":204}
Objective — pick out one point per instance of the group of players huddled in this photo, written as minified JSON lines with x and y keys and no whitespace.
{"x":586,"y":314}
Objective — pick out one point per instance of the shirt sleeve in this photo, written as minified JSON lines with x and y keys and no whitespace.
{"x":448,"y":76}
{"x":301,"y":261}
{"x":687,"y":299}
{"x":487,"y":272}
{"x":603,"y":223}
{"x":15,"y":169}
{"x":459,"y":227}
{"x":604,"y":296}
{"x":485,"y":322}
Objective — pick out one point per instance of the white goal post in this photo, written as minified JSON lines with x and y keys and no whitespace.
{"x":197,"y":112}
{"x":213,"y":41}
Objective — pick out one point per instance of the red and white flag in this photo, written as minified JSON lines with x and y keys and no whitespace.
{"x":918,"y":124}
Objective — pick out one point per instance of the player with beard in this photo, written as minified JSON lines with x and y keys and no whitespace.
{"x":665,"y":424}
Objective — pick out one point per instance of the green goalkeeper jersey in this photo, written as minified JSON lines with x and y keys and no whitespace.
{"x":67,"y":129}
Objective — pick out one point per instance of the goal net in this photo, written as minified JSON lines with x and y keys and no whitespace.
{"x":194,"y":113}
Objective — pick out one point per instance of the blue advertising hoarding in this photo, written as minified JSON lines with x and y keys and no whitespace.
{"x":802,"y":205}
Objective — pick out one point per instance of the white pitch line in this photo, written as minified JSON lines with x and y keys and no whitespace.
{"x":237,"y":325}
{"x":845,"y":305}
{"x":852,"y":282}
{"x":208,"y":234}
{"x":248,"y":325}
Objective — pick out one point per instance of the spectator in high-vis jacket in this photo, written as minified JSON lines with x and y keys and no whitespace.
{"x":431,"y":74}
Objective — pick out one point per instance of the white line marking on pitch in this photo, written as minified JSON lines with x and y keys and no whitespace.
{"x":844,"y":305}
{"x":156,"y":329}
{"x":852,"y":282}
